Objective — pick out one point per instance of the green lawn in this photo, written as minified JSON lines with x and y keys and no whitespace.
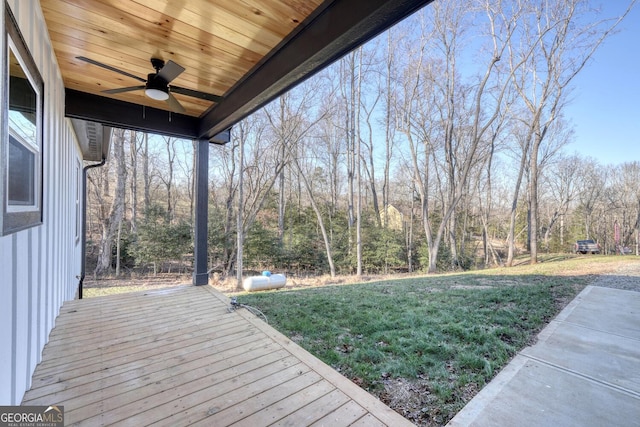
{"x":441,"y":337}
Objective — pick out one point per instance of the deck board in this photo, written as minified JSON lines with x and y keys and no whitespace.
{"x":180,"y":357}
{"x":312,"y":412}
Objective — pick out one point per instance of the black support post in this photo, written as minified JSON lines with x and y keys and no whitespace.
{"x":200,"y":274}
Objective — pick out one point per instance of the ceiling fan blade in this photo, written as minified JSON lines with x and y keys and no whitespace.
{"x":170,"y":71}
{"x":175,"y":105}
{"x":109,"y":67}
{"x":123,"y":89}
{"x":196,"y":94}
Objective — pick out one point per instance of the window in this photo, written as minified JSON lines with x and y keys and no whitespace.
{"x":21,"y":149}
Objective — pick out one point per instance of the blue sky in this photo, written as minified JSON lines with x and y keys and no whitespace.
{"x":605,"y":107}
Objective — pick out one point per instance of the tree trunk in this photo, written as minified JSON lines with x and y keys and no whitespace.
{"x":410,"y":236}
{"x":533,"y":201}
{"x":282,"y":201}
{"x":112,"y":221}
{"x":145,"y":174}
{"x":350,"y":118}
{"x":514,"y":207}
{"x":358,"y":165}
{"x":167,"y":177}
{"x":453,"y":241}
{"x":133,"y":155}
{"x":281,"y":180}
{"x":239,"y":217}
{"x":388,"y":143}
{"x":118,"y":248}
{"x":316,"y":210}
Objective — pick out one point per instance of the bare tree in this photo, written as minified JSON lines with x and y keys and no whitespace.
{"x":260,"y":170}
{"x":350,"y":94}
{"x":524,"y":146}
{"x":329,"y":154}
{"x":484,"y":188}
{"x":146,"y":176}
{"x":629,"y":174}
{"x":370,"y":90}
{"x":240,"y":235}
{"x":304,"y":174}
{"x":388,"y":89}
{"x":167,"y":176}
{"x":564,"y":37}
{"x":561,"y":180}
{"x":590,"y":194}
{"x":224,"y":168}
{"x":134,"y":152}
{"x":464,"y":114}
{"x":111,"y":222}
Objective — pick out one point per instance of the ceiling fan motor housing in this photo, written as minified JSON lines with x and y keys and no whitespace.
{"x":156,"y":88}
{"x":157,"y":63}
{"x":155,"y":82}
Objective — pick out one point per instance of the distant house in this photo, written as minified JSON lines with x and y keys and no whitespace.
{"x":394,"y":218}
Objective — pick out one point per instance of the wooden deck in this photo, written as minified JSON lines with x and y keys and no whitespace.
{"x":178,"y":357}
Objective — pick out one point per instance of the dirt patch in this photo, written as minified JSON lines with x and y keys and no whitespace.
{"x":492,"y":282}
{"x":598,"y":268}
{"x":470,"y":287}
{"x":229,"y":285}
{"x":412,"y":399}
{"x":415,"y":400}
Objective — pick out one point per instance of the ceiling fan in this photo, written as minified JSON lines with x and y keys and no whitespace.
{"x":157,"y":85}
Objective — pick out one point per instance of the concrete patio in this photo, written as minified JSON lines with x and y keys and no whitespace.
{"x":584,"y":370}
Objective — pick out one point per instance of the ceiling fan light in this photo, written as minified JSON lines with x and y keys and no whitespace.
{"x":156,"y":94}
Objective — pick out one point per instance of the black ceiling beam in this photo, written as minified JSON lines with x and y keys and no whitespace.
{"x":339,"y":27}
{"x":126,"y":115}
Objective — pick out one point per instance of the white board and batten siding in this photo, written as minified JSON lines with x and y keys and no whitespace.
{"x":38,"y":266}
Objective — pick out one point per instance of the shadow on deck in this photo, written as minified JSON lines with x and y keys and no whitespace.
{"x":178,"y":357}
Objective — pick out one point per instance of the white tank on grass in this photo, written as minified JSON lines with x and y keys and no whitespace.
{"x":264,"y":282}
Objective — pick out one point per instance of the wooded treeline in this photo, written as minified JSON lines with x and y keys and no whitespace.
{"x":439,"y":145}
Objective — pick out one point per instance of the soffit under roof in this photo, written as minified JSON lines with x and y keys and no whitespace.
{"x":247,"y":51}
{"x":93,"y":139}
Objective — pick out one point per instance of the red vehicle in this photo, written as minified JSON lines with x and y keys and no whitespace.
{"x":586,"y":247}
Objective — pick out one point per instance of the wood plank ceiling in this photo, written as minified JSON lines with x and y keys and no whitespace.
{"x":247,"y":51}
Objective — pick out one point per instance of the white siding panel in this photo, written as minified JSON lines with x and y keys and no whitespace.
{"x":39,"y":265}
{"x":21,"y":314}
{"x":33,"y":351}
{"x":6,"y":318}
{"x":41,"y":332}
